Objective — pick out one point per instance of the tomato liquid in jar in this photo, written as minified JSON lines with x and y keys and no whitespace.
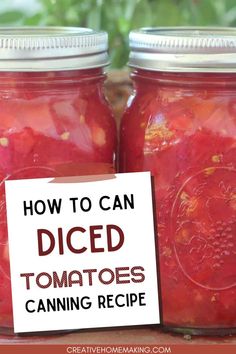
{"x":54,"y":119}
{"x":180,"y":124}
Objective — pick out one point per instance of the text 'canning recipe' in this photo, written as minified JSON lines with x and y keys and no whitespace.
{"x":82,"y":252}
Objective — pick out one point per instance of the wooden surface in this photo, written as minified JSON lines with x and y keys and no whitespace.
{"x":118,"y":336}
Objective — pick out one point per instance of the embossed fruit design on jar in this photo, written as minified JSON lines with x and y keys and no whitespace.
{"x":54,"y":119}
{"x":180,"y":124}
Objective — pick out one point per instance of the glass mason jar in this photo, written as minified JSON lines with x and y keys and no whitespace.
{"x":180,"y":124}
{"x":54,"y":119}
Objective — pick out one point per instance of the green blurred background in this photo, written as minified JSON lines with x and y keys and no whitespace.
{"x":118,"y":17}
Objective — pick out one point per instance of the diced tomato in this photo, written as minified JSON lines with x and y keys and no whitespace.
{"x":184,"y":133}
{"x":51,"y":124}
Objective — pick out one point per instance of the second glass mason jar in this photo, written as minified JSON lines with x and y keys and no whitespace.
{"x":54,"y":119}
{"x":180,"y":124}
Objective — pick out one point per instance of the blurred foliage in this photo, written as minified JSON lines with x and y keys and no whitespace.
{"x":118,"y":17}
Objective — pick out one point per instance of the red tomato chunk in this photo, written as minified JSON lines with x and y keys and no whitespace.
{"x":52,"y":124}
{"x":182,"y":128}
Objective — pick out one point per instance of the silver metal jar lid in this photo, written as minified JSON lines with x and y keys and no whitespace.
{"x":184,"y":49}
{"x":52,"y":48}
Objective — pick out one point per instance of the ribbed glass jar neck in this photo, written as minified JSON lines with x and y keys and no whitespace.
{"x":55,"y":80}
{"x":184,"y":80}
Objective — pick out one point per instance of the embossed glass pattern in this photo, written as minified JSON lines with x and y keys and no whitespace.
{"x":182,"y":128}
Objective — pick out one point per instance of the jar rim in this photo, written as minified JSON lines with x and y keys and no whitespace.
{"x":183,"y":49}
{"x":52,"y":48}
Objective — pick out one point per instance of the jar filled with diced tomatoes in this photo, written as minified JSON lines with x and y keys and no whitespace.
{"x":180,"y":124}
{"x":54,"y":119}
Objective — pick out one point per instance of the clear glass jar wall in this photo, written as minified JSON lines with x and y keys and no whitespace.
{"x":52,"y":123}
{"x":181,"y":126}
